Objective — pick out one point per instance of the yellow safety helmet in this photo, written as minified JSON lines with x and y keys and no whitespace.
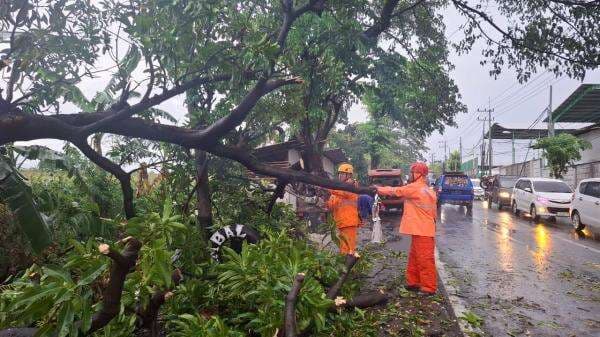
{"x":346,"y":168}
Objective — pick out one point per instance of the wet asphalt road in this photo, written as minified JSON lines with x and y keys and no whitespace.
{"x":523,"y":278}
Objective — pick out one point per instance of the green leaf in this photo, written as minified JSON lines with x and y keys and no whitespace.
{"x":57,"y":272}
{"x":65,"y":320}
{"x":92,"y":274}
{"x":86,"y":318}
{"x":17,"y":195}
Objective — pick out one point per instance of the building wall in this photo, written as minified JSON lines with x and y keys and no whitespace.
{"x":593,"y":154}
{"x":534,"y":168}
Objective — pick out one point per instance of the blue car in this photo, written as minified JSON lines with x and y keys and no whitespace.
{"x":455,"y":188}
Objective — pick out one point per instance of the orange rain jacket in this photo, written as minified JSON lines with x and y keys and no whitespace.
{"x":420,"y":207}
{"x":344,"y":206}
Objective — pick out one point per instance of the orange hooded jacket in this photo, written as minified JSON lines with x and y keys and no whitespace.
{"x":420,"y":207}
{"x":344,"y":206}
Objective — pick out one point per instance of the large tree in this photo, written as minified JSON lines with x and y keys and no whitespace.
{"x":310,"y":59}
{"x":378,"y":143}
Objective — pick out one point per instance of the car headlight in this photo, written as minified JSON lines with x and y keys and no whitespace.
{"x":504,"y":194}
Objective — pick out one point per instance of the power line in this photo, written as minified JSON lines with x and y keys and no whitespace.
{"x":515,"y":84}
{"x":532,"y":92}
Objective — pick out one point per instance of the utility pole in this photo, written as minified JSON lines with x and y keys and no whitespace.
{"x":460,"y":150}
{"x":489,"y":119}
{"x":513,"y":147}
{"x":445,"y":155}
{"x":550,"y":121}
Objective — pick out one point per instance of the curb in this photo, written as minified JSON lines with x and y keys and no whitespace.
{"x":456,"y":303}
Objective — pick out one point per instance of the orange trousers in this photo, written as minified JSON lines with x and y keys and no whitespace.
{"x":421,"y":271}
{"x":347,"y":236}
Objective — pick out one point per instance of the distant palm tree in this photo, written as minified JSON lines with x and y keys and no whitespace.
{"x":454,"y":163}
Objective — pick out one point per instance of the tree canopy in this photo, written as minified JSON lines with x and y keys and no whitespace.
{"x":561,"y":151}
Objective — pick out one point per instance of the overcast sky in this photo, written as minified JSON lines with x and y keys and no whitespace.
{"x":515,"y":105}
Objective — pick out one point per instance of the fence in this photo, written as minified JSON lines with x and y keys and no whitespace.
{"x":536,"y":168}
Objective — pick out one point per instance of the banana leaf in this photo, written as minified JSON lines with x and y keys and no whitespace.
{"x":17,"y":195}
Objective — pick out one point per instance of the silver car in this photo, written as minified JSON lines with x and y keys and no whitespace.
{"x":478,"y":191}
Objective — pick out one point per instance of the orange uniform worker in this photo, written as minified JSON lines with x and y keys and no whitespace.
{"x":344,"y":206}
{"x":418,"y":220}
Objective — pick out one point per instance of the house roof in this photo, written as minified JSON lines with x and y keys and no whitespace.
{"x":500,"y":132}
{"x":279,"y":152}
{"x":583,"y":106}
{"x":587,"y":129}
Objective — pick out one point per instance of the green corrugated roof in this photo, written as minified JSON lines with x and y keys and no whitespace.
{"x":583,"y":106}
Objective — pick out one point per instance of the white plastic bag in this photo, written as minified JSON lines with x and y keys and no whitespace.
{"x":376,"y":235}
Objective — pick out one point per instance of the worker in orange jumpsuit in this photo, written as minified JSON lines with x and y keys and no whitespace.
{"x":418,"y":220}
{"x":344,"y":206}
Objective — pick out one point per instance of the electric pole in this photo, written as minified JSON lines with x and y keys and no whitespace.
{"x":550,"y":121}
{"x":513,"y":146}
{"x":445,"y":155}
{"x":489,"y":120}
{"x":460,"y":150}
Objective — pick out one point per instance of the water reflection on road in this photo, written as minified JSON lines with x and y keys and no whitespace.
{"x":524,"y":277}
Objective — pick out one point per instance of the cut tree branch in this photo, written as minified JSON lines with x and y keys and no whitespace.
{"x":149,"y":315}
{"x":29,"y":127}
{"x":123,"y":263}
{"x":290,"y":306}
{"x":216,"y":130}
{"x":351,"y":260}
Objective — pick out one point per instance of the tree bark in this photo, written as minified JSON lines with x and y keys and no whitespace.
{"x":290,"y":306}
{"x":149,"y":315}
{"x":375,"y":161}
{"x":204,"y":205}
{"x":312,"y":155}
{"x":123,"y":264}
{"x":30,"y":127}
{"x":116,"y":170}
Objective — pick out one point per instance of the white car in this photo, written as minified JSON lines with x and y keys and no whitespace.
{"x":585,"y":208}
{"x":541,"y":197}
{"x":477,"y":190}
